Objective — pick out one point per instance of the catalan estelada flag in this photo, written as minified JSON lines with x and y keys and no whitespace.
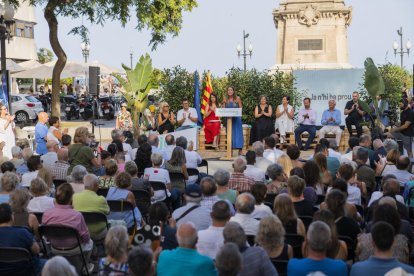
{"x":208,"y":89}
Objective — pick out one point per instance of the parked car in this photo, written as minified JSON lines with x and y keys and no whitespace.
{"x":25,"y":107}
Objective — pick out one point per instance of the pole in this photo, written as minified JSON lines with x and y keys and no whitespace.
{"x":3,"y":32}
{"x":244,"y":49}
{"x":130,"y":56}
{"x":402,"y":49}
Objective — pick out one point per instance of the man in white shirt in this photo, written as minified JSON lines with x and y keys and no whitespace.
{"x":352,"y":142}
{"x":244,"y":208}
{"x":261,"y":162}
{"x":211,"y":239}
{"x":401,"y":173}
{"x":388,"y":187}
{"x":170,"y":141}
{"x":278,"y":152}
{"x":186,"y":117}
{"x":346,"y":171}
{"x":50,"y":157}
{"x":251,"y":171}
{"x":193,"y":159}
{"x":269,"y":152}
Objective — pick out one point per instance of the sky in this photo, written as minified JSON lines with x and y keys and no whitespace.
{"x":211,"y":32}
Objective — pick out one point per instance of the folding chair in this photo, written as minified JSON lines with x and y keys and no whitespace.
{"x":204,"y":163}
{"x":296,"y":242}
{"x":160,"y":186}
{"x":15,"y":256}
{"x":178,"y":177}
{"x":307,"y":220}
{"x":192,"y":172}
{"x":122,"y":206}
{"x":351,"y":246}
{"x":95,"y":218}
{"x":56,"y":233}
{"x":39,"y":216}
{"x":57,"y":183}
{"x":281,"y":266}
{"x":143,"y":201}
{"x":103,"y":192}
{"x":251,"y":239}
{"x":321,"y":198}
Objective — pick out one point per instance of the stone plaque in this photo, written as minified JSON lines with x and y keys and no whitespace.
{"x":310,"y":45}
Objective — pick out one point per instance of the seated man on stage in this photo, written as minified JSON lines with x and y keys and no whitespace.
{"x":355,"y":114}
{"x":306,"y":121}
{"x":405,"y":131}
{"x":331,"y":120}
{"x":186,"y":117}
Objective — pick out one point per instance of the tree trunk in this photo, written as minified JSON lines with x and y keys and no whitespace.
{"x":60,"y":54}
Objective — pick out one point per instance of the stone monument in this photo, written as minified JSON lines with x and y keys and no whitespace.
{"x":312,"y":34}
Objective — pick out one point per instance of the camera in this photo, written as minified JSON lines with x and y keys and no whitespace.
{"x":94,"y":144}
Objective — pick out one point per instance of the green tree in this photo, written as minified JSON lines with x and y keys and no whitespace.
{"x":45,"y":55}
{"x":161,"y":17}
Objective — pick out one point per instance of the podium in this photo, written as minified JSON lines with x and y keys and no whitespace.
{"x":229,"y":113}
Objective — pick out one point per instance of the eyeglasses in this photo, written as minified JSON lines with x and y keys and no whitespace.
{"x":166,"y":106}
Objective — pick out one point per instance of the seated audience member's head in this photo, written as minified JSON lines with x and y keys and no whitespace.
{"x":377,"y":143}
{"x":187,"y":235}
{"x":105,"y":156}
{"x":47,"y":176}
{"x":387,"y":212}
{"x":116,"y":243}
{"x":142,"y":139}
{"x":365,"y":141}
{"x":382,"y":236}
{"x":119,"y":146}
{"x":220,"y":212}
{"x":346,"y":171}
{"x":7,"y":167}
{"x":170,"y":140}
{"x":81,"y":136}
{"x":58,"y":265}
{"x":293,"y":152}
{"x":258,"y":148}
{"x":296,"y":186}
{"x":276,"y":137}
{"x":153,"y":140}
{"x":298,"y":172}
{"x":111,"y":167}
{"x":325,"y":142}
{"x":271,"y":233}
{"x":341,"y":185}
{"x":228,"y":260}
{"x":193,"y":193}
{"x":321,"y":148}
{"x":156,"y":160}
{"x":259,"y":191}
{"x":116,"y":134}
{"x":52,"y":146}
{"x":222,"y":177}
{"x":19,"y":199}
{"x":140,"y":261}
{"x":335,"y":200}
{"x":64,"y":194}
{"x":131,"y":168}
{"x":112,"y":149}
{"x":178,"y":157}
{"x":250,"y":157}
{"x":284,"y":208}
{"x":391,"y":187}
{"x":245,"y":203}
{"x":181,"y":142}
{"x":275,"y":172}
{"x":208,"y":186}
{"x":123,"y":180}
{"x":318,"y":237}
{"x":63,"y":154}
{"x":362,"y":155}
{"x":9,"y":182}
{"x":312,"y":173}
{"x":403,"y":163}
{"x":16,"y":152}
{"x":392,"y":156}
{"x":34,"y":163}
{"x":27,"y":153}
{"x":390,"y":144}
{"x":239,"y":165}
{"x":234,"y":233}
{"x":66,"y":140}
{"x":158,"y":212}
{"x":269,"y":142}
{"x":353,"y":142}
{"x":78,"y":173}
{"x":386,"y":177}
{"x":91,"y":182}
{"x":23,"y":143}
{"x":6,"y":212}
{"x":38,"y":187}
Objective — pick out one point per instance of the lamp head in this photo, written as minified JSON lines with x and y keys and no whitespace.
{"x":250,"y":48}
{"x":238,"y":48}
{"x":395,"y":45}
{"x":7,"y":11}
{"x":408,"y":45}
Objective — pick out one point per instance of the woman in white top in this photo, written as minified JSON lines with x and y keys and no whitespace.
{"x":7,"y":131}
{"x":40,"y":201}
{"x":284,"y":118}
{"x":54,"y":132}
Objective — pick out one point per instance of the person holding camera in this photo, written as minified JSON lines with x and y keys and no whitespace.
{"x":81,"y":152}
{"x":405,"y":131}
{"x":306,"y":121}
{"x":355,"y":114}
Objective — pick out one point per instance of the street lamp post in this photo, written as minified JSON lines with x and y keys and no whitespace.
{"x":6,"y":21}
{"x":85,"y":47}
{"x":244,"y":54}
{"x":401,"y":52}
{"x":131,"y":54}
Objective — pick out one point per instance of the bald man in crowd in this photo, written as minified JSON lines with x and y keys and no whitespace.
{"x":49,"y":159}
{"x":238,"y":180}
{"x":41,"y":131}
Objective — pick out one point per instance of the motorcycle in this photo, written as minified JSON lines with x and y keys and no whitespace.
{"x":107,"y":108}
{"x":46,"y":100}
{"x":71,"y":107}
{"x":85,"y":108}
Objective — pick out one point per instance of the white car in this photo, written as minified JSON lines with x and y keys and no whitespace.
{"x":25,"y":107}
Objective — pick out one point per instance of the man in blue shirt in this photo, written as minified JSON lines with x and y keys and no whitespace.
{"x":318,"y":239}
{"x":185,"y":260}
{"x":41,"y":131}
{"x":383,"y":237}
{"x":331,"y":120}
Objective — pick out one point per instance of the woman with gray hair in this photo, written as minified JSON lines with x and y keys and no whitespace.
{"x":116,"y":248}
{"x":76,"y":178}
{"x":158,"y":174}
{"x":58,"y":265}
{"x":19,"y":199}
{"x":9,"y":182}
{"x":271,"y":236}
{"x":222,"y":178}
{"x":278,"y":177}
{"x":40,"y":201}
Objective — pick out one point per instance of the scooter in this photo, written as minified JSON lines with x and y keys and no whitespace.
{"x":71,"y":107}
{"x":108,"y":110}
{"x":85,"y":108}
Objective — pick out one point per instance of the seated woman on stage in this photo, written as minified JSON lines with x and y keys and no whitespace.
{"x":166,"y":119}
{"x":212,"y":122}
{"x":263,"y":127}
{"x":284,"y":118}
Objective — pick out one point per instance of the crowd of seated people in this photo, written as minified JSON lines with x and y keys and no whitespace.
{"x":273,"y":213}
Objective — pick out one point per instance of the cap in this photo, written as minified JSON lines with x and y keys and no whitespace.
{"x":193,"y":190}
{"x":124,"y":104}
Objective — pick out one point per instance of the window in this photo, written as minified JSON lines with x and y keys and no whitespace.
{"x":28,"y":31}
{"x":32,"y":99}
{"x":310,"y":45}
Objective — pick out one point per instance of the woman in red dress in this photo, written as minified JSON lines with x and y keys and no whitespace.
{"x":212,"y":123}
